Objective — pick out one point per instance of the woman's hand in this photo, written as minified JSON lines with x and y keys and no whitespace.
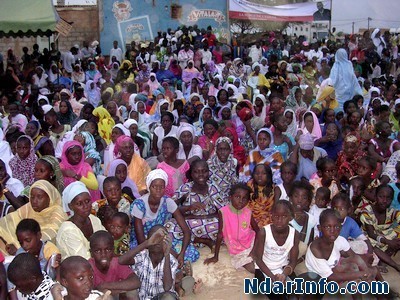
{"x":280,"y":277}
{"x":68,"y":173}
{"x":181,"y":259}
{"x":197,"y":206}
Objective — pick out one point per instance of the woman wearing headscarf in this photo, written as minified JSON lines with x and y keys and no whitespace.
{"x":117,"y":131}
{"x":187,"y":150}
{"x":105,"y":123}
{"x":40,"y":78}
{"x":92,"y":157}
{"x":239,"y":153}
{"x":126,"y":72}
{"x":66,"y":95}
{"x":291,"y":121}
{"x":378,"y":41}
{"x":132,"y":126}
{"x":259,"y":112}
{"x":153,"y":83}
{"x":176,"y":69}
{"x":92,"y":73}
{"x":327,"y":97}
{"x":262,"y":154}
{"x":256,"y":79}
{"x":93,"y":93}
{"x":143,"y":75}
{"x":237,"y":69}
{"x":310,"y":125}
{"x":223,"y":167}
{"x":143,"y":219}
{"x":128,"y":186}
{"x":346,"y":162}
{"x":74,"y":233}
{"x":166,"y":129}
{"x":65,"y":114}
{"x":77,"y":74}
{"x":113,"y":70}
{"x":189,"y":73}
{"x":137,"y":166}
{"x":45,"y":208}
{"x":42,"y":144}
{"x":343,"y":79}
{"x":23,"y":163}
{"x":74,"y":168}
{"x":164,"y":74}
{"x":295,"y":99}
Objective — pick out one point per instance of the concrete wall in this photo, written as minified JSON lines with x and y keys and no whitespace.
{"x":85,"y":27}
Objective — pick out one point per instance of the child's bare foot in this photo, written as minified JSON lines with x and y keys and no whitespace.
{"x":198,"y":286}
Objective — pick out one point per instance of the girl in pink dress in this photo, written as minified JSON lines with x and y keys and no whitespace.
{"x":174,"y":167}
{"x":237,"y":227}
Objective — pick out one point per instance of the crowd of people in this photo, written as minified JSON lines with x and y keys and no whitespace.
{"x":116,"y":169}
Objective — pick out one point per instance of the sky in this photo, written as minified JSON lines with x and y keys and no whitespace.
{"x":383,"y":13}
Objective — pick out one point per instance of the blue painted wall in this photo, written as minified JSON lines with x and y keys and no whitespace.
{"x":125,"y":20}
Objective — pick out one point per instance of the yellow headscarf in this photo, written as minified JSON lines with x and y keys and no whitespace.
{"x":49,"y":218}
{"x":328,"y":91}
{"x":106,"y":123}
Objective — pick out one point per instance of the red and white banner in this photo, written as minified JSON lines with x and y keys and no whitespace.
{"x":294,"y":12}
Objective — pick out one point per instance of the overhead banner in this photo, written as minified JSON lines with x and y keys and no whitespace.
{"x":267,"y":10}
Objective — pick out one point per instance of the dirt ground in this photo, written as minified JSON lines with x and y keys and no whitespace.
{"x":223,"y":282}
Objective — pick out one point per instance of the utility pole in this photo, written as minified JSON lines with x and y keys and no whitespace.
{"x":369,"y":19}
{"x":352,"y":28}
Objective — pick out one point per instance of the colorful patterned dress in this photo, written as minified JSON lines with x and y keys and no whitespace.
{"x":262,"y":205}
{"x":201,"y":228}
{"x":223,"y":175}
{"x":390,"y":229}
{"x":140,"y":209}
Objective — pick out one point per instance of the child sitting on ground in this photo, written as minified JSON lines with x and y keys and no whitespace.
{"x":108,"y":273}
{"x":262,"y":197}
{"x":365,"y":170}
{"x":277,"y":246}
{"x":322,"y":200}
{"x":288,"y":175}
{"x":331,"y":257}
{"x":359,"y":243}
{"x":300,"y":197}
{"x":326,"y":176}
{"x":119,"y":226}
{"x":29,"y":280}
{"x":119,"y":169}
{"x":29,"y":237}
{"x":76,"y":281}
{"x":380,"y":222}
{"x":105,"y":214}
{"x":113,"y":193}
{"x":237,"y":227}
{"x":357,"y":186}
{"x":155,"y":266}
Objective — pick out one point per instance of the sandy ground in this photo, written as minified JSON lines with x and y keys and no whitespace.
{"x":222,"y":281}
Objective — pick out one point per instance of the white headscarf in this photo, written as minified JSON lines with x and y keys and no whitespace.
{"x":123,"y":128}
{"x":70,"y":192}
{"x":185,"y":127}
{"x":128,"y":123}
{"x":156,"y":174}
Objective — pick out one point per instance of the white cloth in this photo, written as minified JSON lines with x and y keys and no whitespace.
{"x":150,"y":215}
{"x":117,"y":53}
{"x":156,"y":174}
{"x":284,"y":195}
{"x":68,"y":60}
{"x":322,"y":266}
{"x":194,"y":151}
{"x":276,"y":257}
{"x":70,"y":192}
